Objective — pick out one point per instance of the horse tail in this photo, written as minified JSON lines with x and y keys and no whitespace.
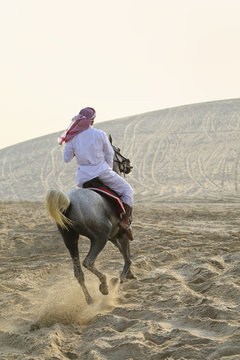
{"x":56,"y":203}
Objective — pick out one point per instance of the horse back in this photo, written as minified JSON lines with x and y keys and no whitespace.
{"x":89,"y":211}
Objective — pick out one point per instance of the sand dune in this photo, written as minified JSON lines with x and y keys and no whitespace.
{"x":184,"y":303}
{"x":179,"y":154}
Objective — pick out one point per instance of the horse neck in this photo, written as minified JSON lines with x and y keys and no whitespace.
{"x":116,"y":168}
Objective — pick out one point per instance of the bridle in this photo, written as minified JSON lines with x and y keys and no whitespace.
{"x":123,"y":163}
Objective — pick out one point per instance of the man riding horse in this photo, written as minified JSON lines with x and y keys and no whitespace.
{"x":94,"y":155}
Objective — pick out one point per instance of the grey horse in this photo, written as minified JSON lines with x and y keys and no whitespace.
{"x":86,"y":212}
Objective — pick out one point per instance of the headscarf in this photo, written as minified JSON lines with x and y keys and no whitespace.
{"x":79,"y":123}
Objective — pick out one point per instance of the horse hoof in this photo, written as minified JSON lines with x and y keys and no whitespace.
{"x":130,"y":276}
{"x":103,"y":289}
{"x":35,"y":326}
{"x":89,"y":301}
{"x":113,"y":282}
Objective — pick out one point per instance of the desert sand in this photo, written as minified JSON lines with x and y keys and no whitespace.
{"x":184,"y":302}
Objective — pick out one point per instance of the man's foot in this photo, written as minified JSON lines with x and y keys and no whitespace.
{"x":127,"y":228}
{"x":124,"y":224}
{"x":129,"y":234}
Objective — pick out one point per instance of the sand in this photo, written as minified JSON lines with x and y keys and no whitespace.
{"x":184,"y":302}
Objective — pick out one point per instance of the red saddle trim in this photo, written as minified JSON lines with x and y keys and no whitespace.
{"x":116,"y":199}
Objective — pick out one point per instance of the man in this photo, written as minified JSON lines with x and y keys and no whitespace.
{"x":94,"y":155}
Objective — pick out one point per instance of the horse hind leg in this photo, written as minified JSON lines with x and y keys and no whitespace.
{"x":80,"y":277}
{"x":71,"y":241}
{"x":97,"y":244}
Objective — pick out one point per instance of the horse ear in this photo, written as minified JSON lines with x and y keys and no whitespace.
{"x":110,"y":138}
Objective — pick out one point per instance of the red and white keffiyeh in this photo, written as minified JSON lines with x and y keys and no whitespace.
{"x":79,"y":123}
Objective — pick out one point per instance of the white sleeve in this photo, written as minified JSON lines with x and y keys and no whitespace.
{"x":108,"y":150}
{"x":68,"y":153}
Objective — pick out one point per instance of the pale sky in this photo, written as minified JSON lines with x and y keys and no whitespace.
{"x":122,"y":57}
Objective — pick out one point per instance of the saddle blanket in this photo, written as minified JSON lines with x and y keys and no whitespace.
{"x":117,"y":201}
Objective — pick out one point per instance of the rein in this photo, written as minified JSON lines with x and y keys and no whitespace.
{"x":123,"y":163}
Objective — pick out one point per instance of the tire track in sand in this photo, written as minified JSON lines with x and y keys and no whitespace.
{"x":164,"y":133}
{"x":134,"y":151}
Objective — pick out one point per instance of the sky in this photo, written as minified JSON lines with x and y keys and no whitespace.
{"x":122,"y":57}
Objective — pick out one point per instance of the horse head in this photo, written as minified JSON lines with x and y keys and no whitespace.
{"x":121,"y":164}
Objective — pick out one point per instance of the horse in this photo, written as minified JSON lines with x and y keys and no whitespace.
{"x":85,"y":212}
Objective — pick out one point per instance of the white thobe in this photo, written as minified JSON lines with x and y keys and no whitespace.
{"x":94,"y":155}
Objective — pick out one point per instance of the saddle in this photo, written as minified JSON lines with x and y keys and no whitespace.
{"x":97,"y":185}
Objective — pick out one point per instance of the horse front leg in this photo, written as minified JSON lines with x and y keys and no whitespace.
{"x":96,"y":247}
{"x":71,"y":241}
{"x":122,"y":243}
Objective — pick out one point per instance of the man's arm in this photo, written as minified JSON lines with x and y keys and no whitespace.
{"x":68,"y":153}
{"x":108,"y":151}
